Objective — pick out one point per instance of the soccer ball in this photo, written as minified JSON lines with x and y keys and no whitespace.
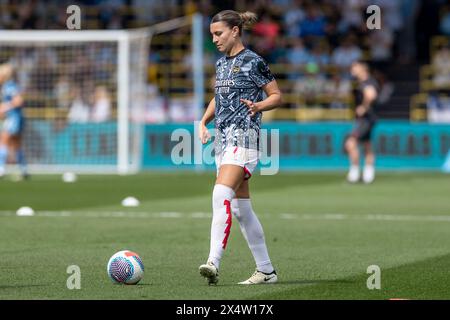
{"x":125,"y":267}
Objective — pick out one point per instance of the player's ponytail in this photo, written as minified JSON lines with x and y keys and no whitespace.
{"x":242,"y":20}
{"x":248,"y":19}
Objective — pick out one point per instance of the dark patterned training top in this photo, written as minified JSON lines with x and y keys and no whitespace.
{"x":358,"y":94}
{"x":239,"y":77}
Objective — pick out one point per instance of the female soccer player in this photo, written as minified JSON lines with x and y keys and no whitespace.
{"x":242,"y":79}
{"x":11,"y":110}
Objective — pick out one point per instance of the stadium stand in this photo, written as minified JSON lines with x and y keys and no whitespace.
{"x":309,"y":45}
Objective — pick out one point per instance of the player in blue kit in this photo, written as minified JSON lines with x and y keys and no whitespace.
{"x":13,"y":124}
{"x":244,"y":88}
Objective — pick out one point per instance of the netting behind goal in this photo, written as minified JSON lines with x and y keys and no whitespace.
{"x":79,"y":89}
{"x":88,"y":94}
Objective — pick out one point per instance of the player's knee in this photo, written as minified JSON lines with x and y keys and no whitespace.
{"x":350,"y":144}
{"x":221,"y":194}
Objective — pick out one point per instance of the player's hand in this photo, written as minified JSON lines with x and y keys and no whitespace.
{"x":360,"y":111}
{"x":203,"y":133}
{"x":252,"y":108}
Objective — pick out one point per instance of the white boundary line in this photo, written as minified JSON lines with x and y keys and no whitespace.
{"x":208,"y":215}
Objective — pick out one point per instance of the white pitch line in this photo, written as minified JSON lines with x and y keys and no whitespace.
{"x":208,"y":215}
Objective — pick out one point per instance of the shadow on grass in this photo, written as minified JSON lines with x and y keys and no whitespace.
{"x":423,"y":279}
{"x":296,"y":282}
{"x":290,"y":282}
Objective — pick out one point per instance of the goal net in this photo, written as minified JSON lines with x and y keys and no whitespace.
{"x":86,"y":95}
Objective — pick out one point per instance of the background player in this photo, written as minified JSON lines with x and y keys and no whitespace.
{"x":11,"y":110}
{"x":242,"y":77}
{"x":365,"y":96}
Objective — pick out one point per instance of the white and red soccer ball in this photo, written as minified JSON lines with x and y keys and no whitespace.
{"x":125,"y":267}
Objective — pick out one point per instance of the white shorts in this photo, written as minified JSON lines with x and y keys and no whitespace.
{"x":243,"y":157}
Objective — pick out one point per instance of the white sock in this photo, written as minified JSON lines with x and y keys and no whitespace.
{"x":253,"y":232}
{"x":369,"y":173}
{"x":221,"y":222}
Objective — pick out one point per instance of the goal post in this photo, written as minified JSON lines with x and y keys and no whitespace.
{"x":61,"y":70}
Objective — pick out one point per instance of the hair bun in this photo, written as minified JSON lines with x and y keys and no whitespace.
{"x":248,"y":19}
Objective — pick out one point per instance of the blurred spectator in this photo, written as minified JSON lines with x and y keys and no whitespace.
{"x":81,"y":68}
{"x":152,"y":11}
{"x":311,"y":86}
{"x":6,"y":18}
{"x":438,"y":109}
{"x":110,"y":13}
{"x":381,"y":45}
{"x":79,"y":109}
{"x":115,"y":22}
{"x":445,"y":21}
{"x":27,"y":16}
{"x":392,"y":19}
{"x":278,"y":54}
{"x":266,"y":31}
{"x":281,"y":5}
{"x":298,"y":55}
{"x":314,"y":24}
{"x":386,"y":87}
{"x":338,"y":89}
{"x":344,"y":55}
{"x":101,"y":108}
{"x":319,"y":54}
{"x":43,"y":75}
{"x":391,"y":13}
{"x":332,"y":32}
{"x":292,"y":18}
{"x":155,"y":111}
{"x":352,"y":15}
{"x":441,"y":67}
{"x":63,"y":92}
{"x":24,"y":63}
{"x":182,"y":109}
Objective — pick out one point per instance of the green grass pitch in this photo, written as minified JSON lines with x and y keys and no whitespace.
{"x":322,"y":234}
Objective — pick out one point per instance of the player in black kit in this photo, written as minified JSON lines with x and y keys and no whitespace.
{"x":365,"y":95}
